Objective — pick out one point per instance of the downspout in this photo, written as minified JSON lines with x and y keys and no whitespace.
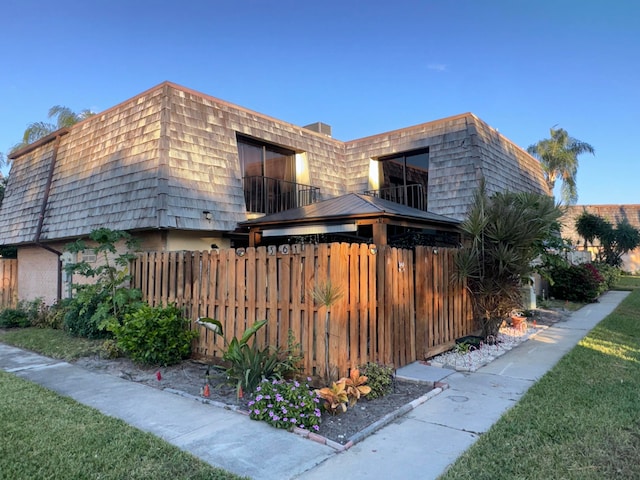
{"x":43,"y":208}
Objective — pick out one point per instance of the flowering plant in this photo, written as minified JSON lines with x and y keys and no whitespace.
{"x":286,"y":404}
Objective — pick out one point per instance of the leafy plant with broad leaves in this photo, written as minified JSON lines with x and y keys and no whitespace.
{"x":346,"y":390}
{"x":249,"y":364}
{"x":107,"y":298}
{"x":355,"y":386}
{"x":335,"y":397}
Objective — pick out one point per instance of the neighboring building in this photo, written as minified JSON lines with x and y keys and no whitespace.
{"x":611,"y":213}
{"x":181,"y":170}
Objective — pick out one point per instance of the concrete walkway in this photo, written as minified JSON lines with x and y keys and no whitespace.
{"x":420,"y":444}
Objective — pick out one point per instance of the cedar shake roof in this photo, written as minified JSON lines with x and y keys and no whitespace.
{"x":162,"y":158}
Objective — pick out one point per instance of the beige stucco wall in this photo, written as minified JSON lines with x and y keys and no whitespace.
{"x":37,"y":274}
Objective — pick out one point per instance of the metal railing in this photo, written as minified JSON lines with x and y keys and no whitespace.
{"x":272,"y":195}
{"x":410,"y":195}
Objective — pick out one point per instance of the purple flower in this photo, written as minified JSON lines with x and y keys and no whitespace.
{"x":258,"y":389}
{"x":285,"y":419}
{"x":259,"y":397}
{"x":276,"y":418}
{"x":251,"y":403}
{"x":279,"y":397}
{"x":293,"y":420}
{"x":271,"y":414}
{"x":316,"y":428}
{"x":284,"y":410}
{"x":256,"y":411}
{"x":270,"y":405}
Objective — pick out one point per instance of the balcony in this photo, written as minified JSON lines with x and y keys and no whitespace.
{"x":410,"y":195}
{"x":272,"y":195}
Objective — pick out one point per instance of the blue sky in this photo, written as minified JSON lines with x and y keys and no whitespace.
{"x":364,"y":67}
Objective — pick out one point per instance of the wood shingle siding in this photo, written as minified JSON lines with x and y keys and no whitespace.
{"x":162,"y":158}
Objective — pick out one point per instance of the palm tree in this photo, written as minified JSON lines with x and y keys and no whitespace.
{"x":559,"y":158}
{"x":65,"y":117}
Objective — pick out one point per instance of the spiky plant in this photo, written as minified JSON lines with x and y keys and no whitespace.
{"x":505,"y":233}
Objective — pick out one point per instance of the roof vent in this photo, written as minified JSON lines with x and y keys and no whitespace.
{"x":319,"y":127}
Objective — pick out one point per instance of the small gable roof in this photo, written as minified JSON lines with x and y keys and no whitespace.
{"x":351,"y":206}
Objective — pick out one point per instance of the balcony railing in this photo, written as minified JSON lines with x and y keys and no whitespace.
{"x":410,"y":195}
{"x":272,"y":195}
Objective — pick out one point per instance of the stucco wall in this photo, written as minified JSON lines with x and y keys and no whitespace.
{"x":37,"y":274}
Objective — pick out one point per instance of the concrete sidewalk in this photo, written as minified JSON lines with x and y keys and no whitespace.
{"x":420,"y":444}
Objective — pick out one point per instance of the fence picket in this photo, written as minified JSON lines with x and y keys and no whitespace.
{"x":397,"y":306}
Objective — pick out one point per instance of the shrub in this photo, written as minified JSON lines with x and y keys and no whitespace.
{"x":380,"y":378}
{"x":80,"y":318}
{"x":610,"y":274}
{"x":286,"y":404}
{"x":14,"y":317}
{"x":107,"y":298}
{"x":577,"y":283}
{"x":154,"y":335}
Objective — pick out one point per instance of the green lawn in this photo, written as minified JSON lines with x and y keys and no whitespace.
{"x":628,"y":282}
{"x":580,"y":421}
{"x":52,"y":343}
{"x":45,"y":435}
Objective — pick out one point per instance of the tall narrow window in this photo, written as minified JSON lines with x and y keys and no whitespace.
{"x":269,"y":174}
{"x":405,"y":178}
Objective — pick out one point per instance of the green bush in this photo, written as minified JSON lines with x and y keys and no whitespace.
{"x":80,"y":318}
{"x":14,"y":317}
{"x":154,"y":335}
{"x":611,"y":275}
{"x":577,"y":283}
{"x":380,"y":379}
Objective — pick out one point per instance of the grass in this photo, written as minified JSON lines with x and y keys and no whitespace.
{"x":580,"y":421}
{"x":557,"y":304}
{"x":45,"y":435}
{"x":628,"y":282}
{"x":52,"y":343}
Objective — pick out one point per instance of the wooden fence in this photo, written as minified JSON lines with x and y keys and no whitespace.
{"x":396,"y":305}
{"x":9,"y":282}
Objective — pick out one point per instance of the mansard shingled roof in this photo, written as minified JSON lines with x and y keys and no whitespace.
{"x":162,"y":158}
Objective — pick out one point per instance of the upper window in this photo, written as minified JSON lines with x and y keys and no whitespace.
{"x":259,"y":159}
{"x":269,"y":175}
{"x":405,"y":177}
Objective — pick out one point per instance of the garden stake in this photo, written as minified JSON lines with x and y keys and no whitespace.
{"x":158,"y":375}
{"x":206,"y":391}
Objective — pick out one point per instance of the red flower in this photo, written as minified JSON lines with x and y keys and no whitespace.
{"x":158,"y":375}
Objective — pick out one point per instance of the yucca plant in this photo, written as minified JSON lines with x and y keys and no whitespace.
{"x":327,"y":294}
{"x":504,"y":234}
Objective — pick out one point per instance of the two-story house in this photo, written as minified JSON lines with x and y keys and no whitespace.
{"x":181,"y":170}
